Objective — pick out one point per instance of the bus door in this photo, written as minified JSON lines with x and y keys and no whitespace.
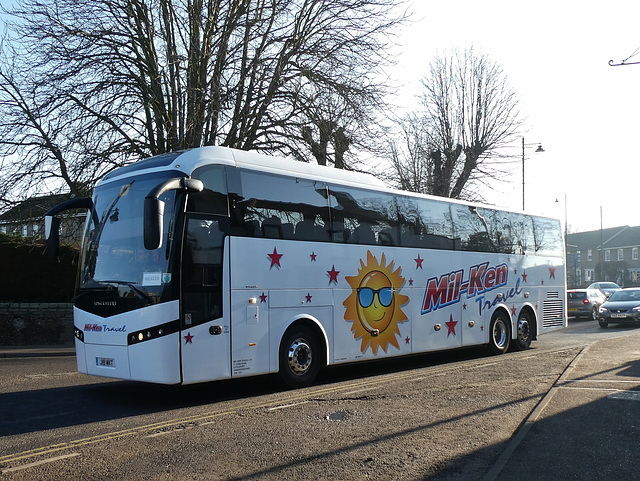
{"x":205,"y":336}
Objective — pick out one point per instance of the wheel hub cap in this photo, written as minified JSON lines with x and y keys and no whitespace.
{"x":300,"y":356}
{"x":523,"y":329}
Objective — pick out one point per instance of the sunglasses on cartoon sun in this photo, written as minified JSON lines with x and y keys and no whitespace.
{"x":366,"y":296}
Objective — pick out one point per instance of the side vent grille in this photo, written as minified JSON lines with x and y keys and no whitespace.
{"x":552,"y":315}
{"x":553,"y":295}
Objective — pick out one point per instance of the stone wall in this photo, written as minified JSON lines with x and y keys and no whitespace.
{"x":24,"y":324}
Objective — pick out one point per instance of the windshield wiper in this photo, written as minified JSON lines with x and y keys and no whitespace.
{"x":132,"y":286}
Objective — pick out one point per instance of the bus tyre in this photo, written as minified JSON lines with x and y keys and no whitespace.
{"x":300,"y":357}
{"x":525,"y":331}
{"x":499,"y":333}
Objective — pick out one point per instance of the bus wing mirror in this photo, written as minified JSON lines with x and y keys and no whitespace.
{"x":52,"y":232}
{"x":52,"y":223}
{"x":154,"y":208}
{"x":153,"y":223}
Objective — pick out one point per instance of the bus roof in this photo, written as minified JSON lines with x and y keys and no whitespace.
{"x":188,"y":161}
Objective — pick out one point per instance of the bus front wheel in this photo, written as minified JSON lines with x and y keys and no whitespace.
{"x":300,"y":357}
{"x":499,"y":333}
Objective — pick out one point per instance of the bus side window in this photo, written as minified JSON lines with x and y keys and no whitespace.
{"x":213,"y":199}
{"x":285,"y":207}
{"x":547,"y":237}
{"x":371,"y":217}
{"x":425,"y":223}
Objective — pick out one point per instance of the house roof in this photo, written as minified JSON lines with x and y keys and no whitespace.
{"x":612,"y":238}
{"x":629,"y":237}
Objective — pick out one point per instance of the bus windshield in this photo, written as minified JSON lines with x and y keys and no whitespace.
{"x":113,"y":254}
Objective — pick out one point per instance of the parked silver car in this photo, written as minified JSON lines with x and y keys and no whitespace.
{"x":607,"y":288}
{"x":623,"y":306}
{"x":584,"y":303}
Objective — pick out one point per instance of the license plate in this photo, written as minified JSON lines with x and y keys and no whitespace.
{"x":105,"y":362}
{"x":618,"y":316}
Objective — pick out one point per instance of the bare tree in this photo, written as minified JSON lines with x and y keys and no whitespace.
{"x":469,"y":112}
{"x":97,"y":83}
{"x":409,"y":154}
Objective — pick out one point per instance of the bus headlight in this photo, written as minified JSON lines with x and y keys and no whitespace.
{"x":78,"y":334}
{"x":151,"y":333}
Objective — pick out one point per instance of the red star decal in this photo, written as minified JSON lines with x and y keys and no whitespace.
{"x":275,"y":258}
{"x":464,"y":306}
{"x":513,"y":310}
{"x":313,"y":256}
{"x":407,"y":340}
{"x":524,"y":277}
{"x":410,"y":282}
{"x":308,"y":297}
{"x":333,"y":275}
{"x":419,"y":262}
{"x":451,"y":325}
{"x":263,"y":297}
{"x":188,"y":339}
{"x":515,"y":271}
{"x":482,"y":328}
{"x":552,"y":272}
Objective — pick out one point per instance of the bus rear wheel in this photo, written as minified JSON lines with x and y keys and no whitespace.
{"x":525,"y":331}
{"x":300,"y":357}
{"x":499,"y":333}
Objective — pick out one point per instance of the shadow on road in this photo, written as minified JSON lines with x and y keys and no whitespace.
{"x":38,"y":410}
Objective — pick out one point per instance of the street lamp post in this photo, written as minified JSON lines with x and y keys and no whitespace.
{"x":539,"y":149}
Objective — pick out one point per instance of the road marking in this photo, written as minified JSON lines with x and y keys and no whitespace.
{"x":481,"y":366}
{"x":349,"y":393}
{"x":626,"y":396}
{"x":570,"y":388}
{"x":38,"y":463}
{"x":170,"y":431}
{"x":612,"y":381}
{"x":275,"y":408}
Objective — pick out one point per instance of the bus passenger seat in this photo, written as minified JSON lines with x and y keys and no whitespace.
{"x":252,"y":228}
{"x":363,"y":234}
{"x":386,"y":238}
{"x":307,"y":230}
{"x":287,"y":230}
{"x":272,"y":228}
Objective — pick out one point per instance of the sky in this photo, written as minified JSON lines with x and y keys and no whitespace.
{"x":584,"y":112}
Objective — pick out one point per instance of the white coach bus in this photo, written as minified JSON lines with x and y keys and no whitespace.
{"x":216,"y":263}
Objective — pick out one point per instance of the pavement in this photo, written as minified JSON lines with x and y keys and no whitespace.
{"x":37,"y":351}
{"x":586,"y":427}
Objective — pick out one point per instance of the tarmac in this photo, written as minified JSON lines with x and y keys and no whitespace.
{"x":37,"y":351}
{"x":587,"y":427}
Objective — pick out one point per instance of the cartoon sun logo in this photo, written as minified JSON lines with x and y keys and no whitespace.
{"x":374,"y":305}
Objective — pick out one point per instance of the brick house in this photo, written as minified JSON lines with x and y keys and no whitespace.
{"x":26,"y":219}
{"x":604,"y":255}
